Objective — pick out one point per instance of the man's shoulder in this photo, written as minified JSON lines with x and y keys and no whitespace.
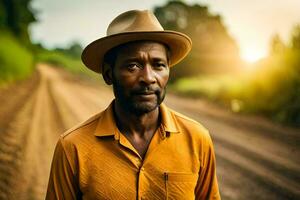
{"x":84,"y":128}
{"x":190,"y":126}
{"x":184,"y":118}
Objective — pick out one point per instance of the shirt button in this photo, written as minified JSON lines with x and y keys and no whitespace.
{"x":142,"y":169}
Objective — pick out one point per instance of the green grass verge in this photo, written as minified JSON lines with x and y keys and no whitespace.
{"x":212,"y":87}
{"x":59,"y":59}
{"x":16,"y":61}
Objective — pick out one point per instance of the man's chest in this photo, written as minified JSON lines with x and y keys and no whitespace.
{"x":140,"y":144}
{"x":114,"y":170}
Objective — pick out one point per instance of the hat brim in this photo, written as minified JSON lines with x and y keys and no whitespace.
{"x":178,"y":43}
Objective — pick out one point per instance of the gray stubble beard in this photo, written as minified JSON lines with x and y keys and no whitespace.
{"x":136,"y":107}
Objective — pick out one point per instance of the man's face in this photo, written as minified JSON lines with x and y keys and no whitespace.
{"x":140,"y":76}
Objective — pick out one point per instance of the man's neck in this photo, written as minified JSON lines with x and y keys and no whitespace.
{"x":136,"y":125}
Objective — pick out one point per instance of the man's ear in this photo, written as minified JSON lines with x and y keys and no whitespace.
{"x":107,"y":73}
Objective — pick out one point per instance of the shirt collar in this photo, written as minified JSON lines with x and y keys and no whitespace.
{"x":168,"y":119}
{"x":107,"y":126}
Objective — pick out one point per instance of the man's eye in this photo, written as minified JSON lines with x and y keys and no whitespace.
{"x":160,"y":65}
{"x":132,"y":66}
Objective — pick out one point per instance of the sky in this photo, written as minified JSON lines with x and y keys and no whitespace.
{"x":251,"y":23}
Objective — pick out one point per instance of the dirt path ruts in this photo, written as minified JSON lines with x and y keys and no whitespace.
{"x":256,"y":159}
{"x":34,"y":134}
{"x":14,"y":101}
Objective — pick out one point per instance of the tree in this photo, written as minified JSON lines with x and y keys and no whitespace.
{"x":276,"y":45}
{"x":74,"y":50}
{"x":214,"y":51}
{"x":15,"y":15}
{"x":295,"y":38}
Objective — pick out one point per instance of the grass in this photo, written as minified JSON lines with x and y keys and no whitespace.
{"x":69,"y":63}
{"x":16,"y":61}
{"x":213,"y":87}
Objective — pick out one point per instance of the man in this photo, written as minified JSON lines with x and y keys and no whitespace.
{"x":137,"y":148}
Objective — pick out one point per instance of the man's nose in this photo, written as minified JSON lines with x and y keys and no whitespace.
{"x":148,"y":75}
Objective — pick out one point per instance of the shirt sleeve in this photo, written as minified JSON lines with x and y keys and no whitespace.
{"x":63,"y":183}
{"x":207,"y":185}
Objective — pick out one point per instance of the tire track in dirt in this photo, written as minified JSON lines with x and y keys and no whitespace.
{"x":76,"y":101}
{"x":290,"y":173}
{"x":13,"y":99}
{"x":57,"y":108}
{"x":36,"y":135}
{"x":40,"y":141}
{"x":29,"y":140}
{"x":256,"y":172}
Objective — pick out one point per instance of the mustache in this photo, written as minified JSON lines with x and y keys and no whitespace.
{"x":145,"y":90}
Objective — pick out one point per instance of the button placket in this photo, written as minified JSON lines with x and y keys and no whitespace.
{"x":140,"y":182}
{"x":137,"y":162}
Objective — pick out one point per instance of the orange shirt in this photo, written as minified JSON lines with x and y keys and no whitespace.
{"x":95,"y":161}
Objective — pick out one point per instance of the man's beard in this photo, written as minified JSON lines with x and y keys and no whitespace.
{"x":131,"y":105}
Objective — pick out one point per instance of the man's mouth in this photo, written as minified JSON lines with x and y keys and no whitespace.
{"x":149,"y":95}
{"x":145,"y":93}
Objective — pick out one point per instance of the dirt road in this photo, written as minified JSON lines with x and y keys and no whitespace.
{"x":255,"y":158}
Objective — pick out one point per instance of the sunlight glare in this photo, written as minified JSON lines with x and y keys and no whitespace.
{"x":251,"y":56}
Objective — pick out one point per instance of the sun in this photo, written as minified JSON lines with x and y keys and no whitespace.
{"x":252,"y":55}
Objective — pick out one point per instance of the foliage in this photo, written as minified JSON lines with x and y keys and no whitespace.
{"x":273,"y":89}
{"x":16,"y":57}
{"x":276,"y":45}
{"x":74,"y":50}
{"x":57,"y":58}
{"x":15,"y":16}
{"x":16,"y":61}
{"x":208,"y":86}
{"x":295,"y":38}
{"x":214,"y":51}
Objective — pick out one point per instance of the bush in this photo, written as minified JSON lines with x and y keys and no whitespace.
{"x":16,"y":61}
{"x":208,"y":86}
{"x":273,"y":89}
{"x":60,"y":59}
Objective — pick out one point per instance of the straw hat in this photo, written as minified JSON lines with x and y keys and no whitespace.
{"x":131,"y":26}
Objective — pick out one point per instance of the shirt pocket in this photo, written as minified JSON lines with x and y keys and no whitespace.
{"x":180,"y":185}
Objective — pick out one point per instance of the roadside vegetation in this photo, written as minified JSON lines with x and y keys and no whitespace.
{"x":213,"y":69}
{"x":16,"y":60}
{"x":68,"y":59}
{"x":271,"y":86}
{"x":16,"y":57}
{"x":19,"y":56}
